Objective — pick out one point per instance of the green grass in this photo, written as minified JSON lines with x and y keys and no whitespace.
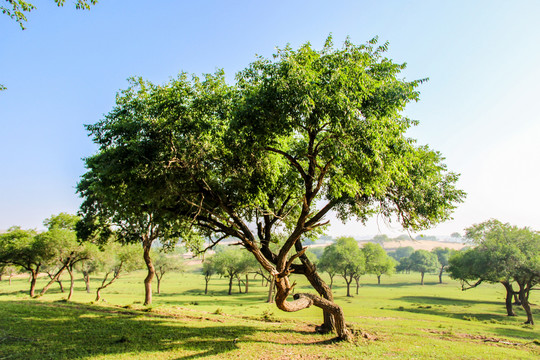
{"x":402,"y":319}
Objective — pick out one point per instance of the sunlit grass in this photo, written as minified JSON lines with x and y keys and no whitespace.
{"x":403,"y":319}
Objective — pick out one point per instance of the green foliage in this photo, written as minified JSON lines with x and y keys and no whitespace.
{"x":17,"y":9}
{"x":402,"y":252}
{"x":423,"y":261}
{"x":377,"y":261}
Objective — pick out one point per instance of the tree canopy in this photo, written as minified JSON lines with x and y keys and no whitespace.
{"x":18,"y":9}
{"x":295,"y":137}
{"x":503,"y":253}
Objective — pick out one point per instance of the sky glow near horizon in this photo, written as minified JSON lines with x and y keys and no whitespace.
{"x":479,"y":108}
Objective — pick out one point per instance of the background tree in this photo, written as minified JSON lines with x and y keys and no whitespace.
{"x":381,"y":239}
{"x":423,"y":261}
{"x":443,"y":255}
{"x":165,"y":263}
{"x":327,"y":264}
{"x":230,"y":263}
{"x":377,"y":261}
{"x":115,"y":260}
{"x":8,"y":270}
{"x":503,"y":253}
{"x":346,"y":258}
{"x":62,"y":239}
{"x":26,"y":249}
{"x":401,"y":252}
{"x":208,"y":270}
{"x":294,"y":138}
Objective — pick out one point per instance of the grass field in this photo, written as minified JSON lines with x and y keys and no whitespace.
{"x":398,"y":319}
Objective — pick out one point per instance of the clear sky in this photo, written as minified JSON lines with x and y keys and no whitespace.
{"x":479,"y":107}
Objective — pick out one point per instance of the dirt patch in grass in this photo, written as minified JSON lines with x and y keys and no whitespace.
{"x":486,"y":339}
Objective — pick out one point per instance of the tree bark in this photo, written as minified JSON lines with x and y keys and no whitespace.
{"x":72,"y":282}
{"x":247,"y":284}
{"x":303,"y":301}
{"x":525,"y":303}
{"x":440,"y":274}
{"x":422,"y":280}
{"x":509,"y":294}
{"x":270,"y":292}
{"x":33,"y":279}
{"x":86,"y":278}
{"x":378,"y":279}
{"x":158,"y":278}
{"x":230,"y":284}
{"x":151,"y":272}
{"x":56,"y":277}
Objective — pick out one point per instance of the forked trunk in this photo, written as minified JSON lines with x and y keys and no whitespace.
{"x":525,"y":303}
{"x":150,"y":275}
{"x":509,"y":295}
{"x":303,"y":301}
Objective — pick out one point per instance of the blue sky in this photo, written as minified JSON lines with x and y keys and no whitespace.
{"x":479,"y":107}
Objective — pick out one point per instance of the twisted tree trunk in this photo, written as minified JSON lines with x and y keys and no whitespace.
{"x":151,"y":272}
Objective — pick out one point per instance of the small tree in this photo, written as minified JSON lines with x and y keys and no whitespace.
{"x":443,"y":255}
{"x":26,"y":249}
{"x":116,"y":260}
{"x":377,"y":261}
{"x":229,"y":263}
{"x":381,"y":239}
{"x":423,"y":261}
{"x":62,"y":238}
{"x":346,"y":258}
{"x":208,"y":270}
{"x":165,"y":263}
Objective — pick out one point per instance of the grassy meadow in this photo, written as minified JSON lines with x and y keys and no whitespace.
{"x":398,"y":319}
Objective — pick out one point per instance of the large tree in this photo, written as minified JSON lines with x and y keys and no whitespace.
{"x":296,"y":137}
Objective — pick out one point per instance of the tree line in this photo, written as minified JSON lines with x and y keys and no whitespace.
{"x":58,"y":250}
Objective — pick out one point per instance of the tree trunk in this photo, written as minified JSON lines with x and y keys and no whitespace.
{"x":33,"y":279}
{"x":10,"y":275}
{"x":239,"y":285}
{"x":357,"y":280}
{"x":230,"y":284}
{"x":51,"y":276}
{"x":207,"y":280}
{"x":98,"y":294}
{"x":158,"y":278}
{"x":57,"y":276}
{"x":378,"y":279}
{"x":440,"y":274}
{"x":324,"y":290}
{"x":422,"y":281}
{"x":525,"y":303}
{"x":331,"y":281}
{"x":86,"y":278}
{"x":348,"y":287}
{"x":302,"y":301}
{"x":247,"y":284}
{"x":271,"y":292}
{"x":151,"y":272}
{"x":509,"y":294}
{"x":72,"y":282}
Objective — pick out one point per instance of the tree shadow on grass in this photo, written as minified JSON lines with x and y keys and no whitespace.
{"x":445,"y":301}
{"x":40,"y":330}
